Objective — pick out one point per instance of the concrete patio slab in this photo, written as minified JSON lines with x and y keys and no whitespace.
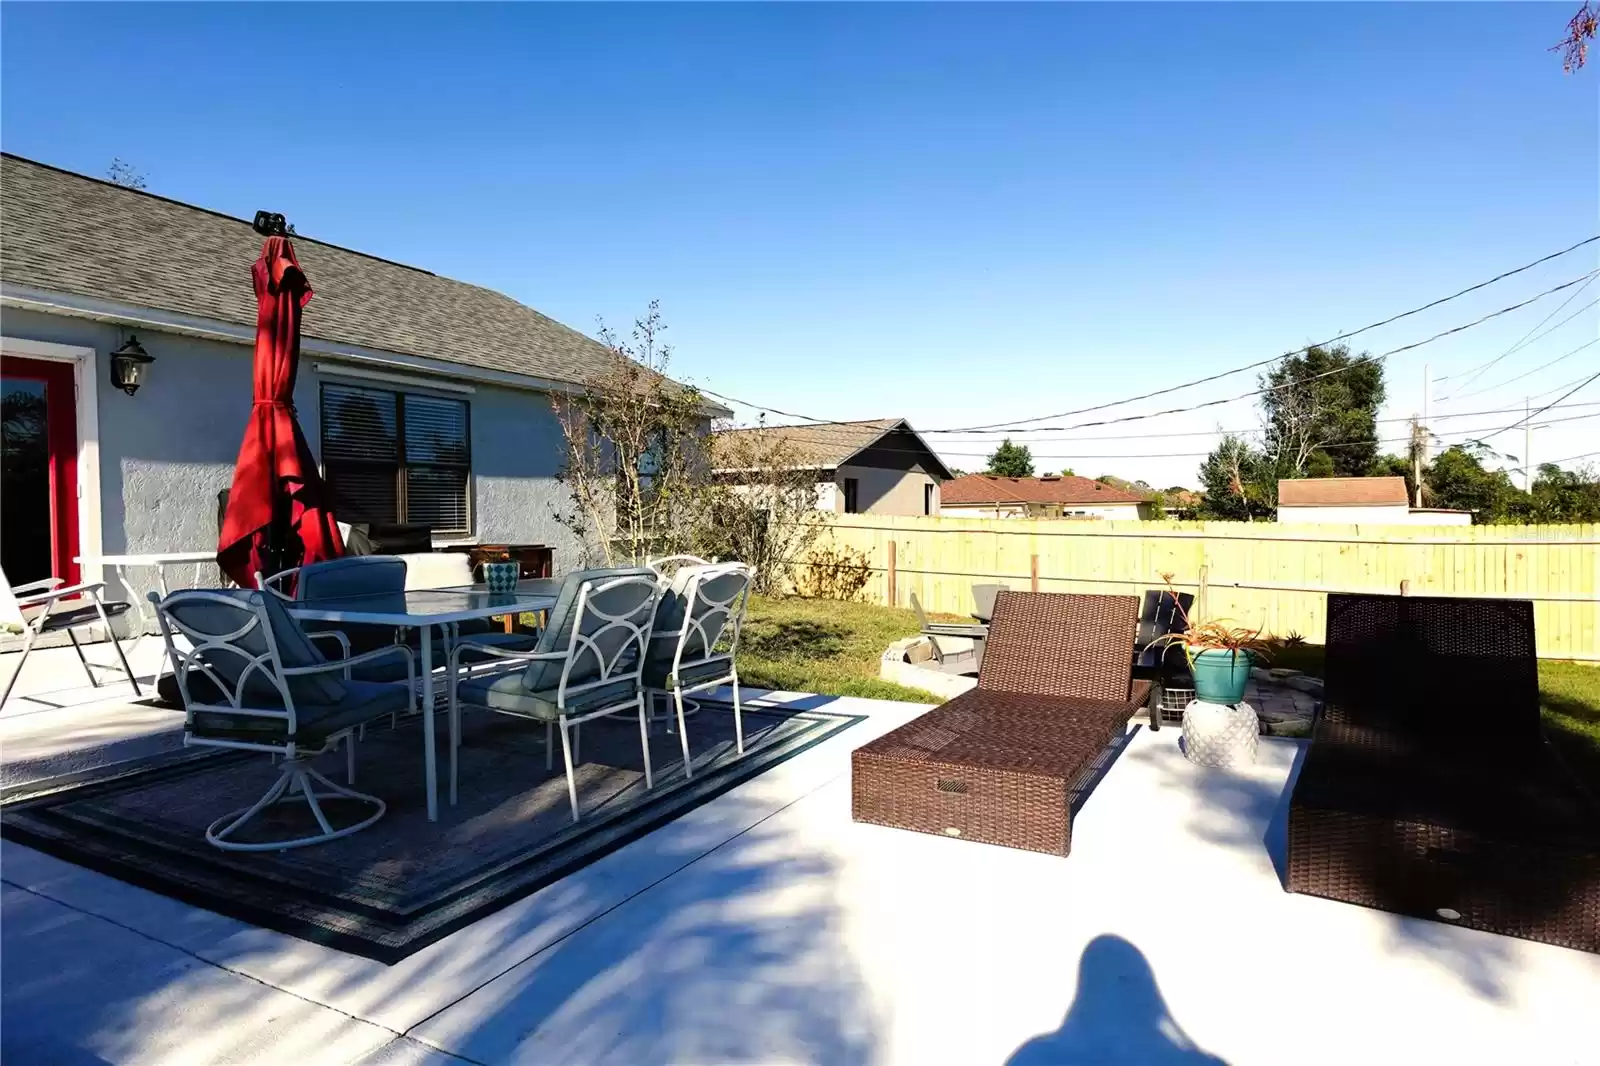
{"x":1165,"y":937}
{"x":766,"y":926}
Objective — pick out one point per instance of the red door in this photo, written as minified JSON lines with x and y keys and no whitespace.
{"x":39,"y":483}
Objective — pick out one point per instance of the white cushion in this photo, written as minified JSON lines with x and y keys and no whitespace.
{"x":437,"y":570}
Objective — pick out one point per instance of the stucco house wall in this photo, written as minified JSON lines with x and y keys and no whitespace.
{"x":1392,"y":515}
{"x":167,"y":451}
{"x":1115,"y":512}
{"x":882,"y":491}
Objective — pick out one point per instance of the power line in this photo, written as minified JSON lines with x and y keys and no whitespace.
{"x":1541,"y":395}
{"x":998,"y":426}
{"x":1518,"y":424}
{"x":1486,"y":366}
{"x":1528,"y":373}
{"x":1570,"y":458}
{"x":769,"y":410}
{"x":1523,"y":341}
{"x":1298,"y":383}
{"x":1301,"y":351}
{"x":1211,"y":432}
{"x":1193,"y":455}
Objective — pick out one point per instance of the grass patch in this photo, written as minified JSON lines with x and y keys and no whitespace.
{"x":1569,"y":695}
{"x":824,"y":646}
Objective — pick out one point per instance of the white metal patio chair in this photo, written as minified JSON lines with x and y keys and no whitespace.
{"x":701,"y":605}
{"x":38,"y":607}
{"x":587,"y":664}
{"x":666,"y":566}
{"x":253,"y":680}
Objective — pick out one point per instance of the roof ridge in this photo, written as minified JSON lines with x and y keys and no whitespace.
{"x":225,"y":216}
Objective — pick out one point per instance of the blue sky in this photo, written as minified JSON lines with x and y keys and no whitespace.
{"x":956,"y":214}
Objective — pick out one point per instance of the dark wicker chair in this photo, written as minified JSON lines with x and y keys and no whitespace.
{"x":1000,"y":764}
{"x":1428,"y":789}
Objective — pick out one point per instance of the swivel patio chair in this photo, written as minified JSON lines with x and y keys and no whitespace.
{"x":47,"y":606}
{"x":588,"y":663}
{"x":253,"y":680}
{"x":699,"y":606}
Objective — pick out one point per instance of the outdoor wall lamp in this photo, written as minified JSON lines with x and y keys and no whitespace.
{"x":130,"y":366}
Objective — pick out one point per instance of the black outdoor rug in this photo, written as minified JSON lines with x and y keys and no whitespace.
{"x":399,"y":885}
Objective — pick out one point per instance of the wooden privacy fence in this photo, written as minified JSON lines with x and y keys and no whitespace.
{"x":1276,"y":576}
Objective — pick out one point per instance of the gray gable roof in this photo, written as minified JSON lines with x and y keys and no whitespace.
{"x":66,"y":233}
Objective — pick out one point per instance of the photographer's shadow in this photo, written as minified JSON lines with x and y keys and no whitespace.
{"x":1117,"y":1016}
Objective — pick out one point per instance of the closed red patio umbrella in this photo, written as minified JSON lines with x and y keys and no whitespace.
{"x":278,"y":512}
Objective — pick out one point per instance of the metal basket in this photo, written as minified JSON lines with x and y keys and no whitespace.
{"x":1172,"y":702}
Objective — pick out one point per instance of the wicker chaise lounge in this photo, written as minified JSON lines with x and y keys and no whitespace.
{"x":1000,"y":763}
{"x":1428,"y":789}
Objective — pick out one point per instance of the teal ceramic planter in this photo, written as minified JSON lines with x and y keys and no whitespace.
{"x":501,"y":577}
{"x":1220,"y":676}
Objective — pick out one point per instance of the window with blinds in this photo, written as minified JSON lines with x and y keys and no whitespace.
{"x":397,"y":457}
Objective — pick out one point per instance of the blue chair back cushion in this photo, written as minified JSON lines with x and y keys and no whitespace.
{"x":635,"y":601}
{"x":208,"y":617}
{"x":381,"y":578}
{"x":716,"y":595}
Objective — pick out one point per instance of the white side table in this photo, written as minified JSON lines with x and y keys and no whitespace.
{"x":1217,"y":734}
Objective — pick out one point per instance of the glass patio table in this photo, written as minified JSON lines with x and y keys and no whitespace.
{"x":423,"y":609}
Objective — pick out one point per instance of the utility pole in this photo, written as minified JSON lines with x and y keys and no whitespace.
{"x":1421,"y":452}
{"x":1527,"y":446}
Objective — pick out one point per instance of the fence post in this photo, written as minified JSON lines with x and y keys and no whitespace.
{"x":1202,"y":599}
{"x":1033,"y":573}
{"x":1405,"y":587}
{"x":891,"y":590}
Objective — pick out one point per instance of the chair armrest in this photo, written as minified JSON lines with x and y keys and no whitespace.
{"x":1139,"y":694}
{"x":501,"y":653}
{"x":334,"y":635}
{"x":344,"y":664}
{"x":954,"y":629}
{"x":34,"y":586}
{"x":92,"y":588}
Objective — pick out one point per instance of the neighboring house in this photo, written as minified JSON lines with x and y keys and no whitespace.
{"x":1180,"y":503}
{"x":987,"y":496}
{"x":879,"y":466}
{"x":1366,"y":500}
{"x":427,"y":400}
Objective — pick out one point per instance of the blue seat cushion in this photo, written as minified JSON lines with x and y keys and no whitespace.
{"x":689,"y":675}
{"x":505,"y":692}
{"x":315,"y":723}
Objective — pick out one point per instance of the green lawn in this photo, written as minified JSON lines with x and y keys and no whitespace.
{"x":823,"y":646}
{"x":1568,"y":692}
{"x":832,"y":648}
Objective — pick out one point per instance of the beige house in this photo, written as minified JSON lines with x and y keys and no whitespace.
{"x":879,"y":466}
{"x":1364,"y":500}
{"x":988,"y":496}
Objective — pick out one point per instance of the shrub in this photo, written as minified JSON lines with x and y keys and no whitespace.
{"x":833,"y":572}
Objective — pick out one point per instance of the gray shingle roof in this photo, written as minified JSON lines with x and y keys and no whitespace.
{"x":827,"y":444}
{"x":66,"y":233}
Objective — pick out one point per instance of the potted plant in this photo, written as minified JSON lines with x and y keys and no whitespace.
{"x":1220,"y":655}
{"x":500,"y":572}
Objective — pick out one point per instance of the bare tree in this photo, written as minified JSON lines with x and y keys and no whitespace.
{"x":124,"y":174}
{"x":636,"y":452}
{"x":1294,"y":431}
{"x":761,"y":507}
{"x":1574,"y":47}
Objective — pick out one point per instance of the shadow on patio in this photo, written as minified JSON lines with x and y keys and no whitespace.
{"x":1118,"y":1015}
{"x":742,"y":958}
{"x":1237,"y":811}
